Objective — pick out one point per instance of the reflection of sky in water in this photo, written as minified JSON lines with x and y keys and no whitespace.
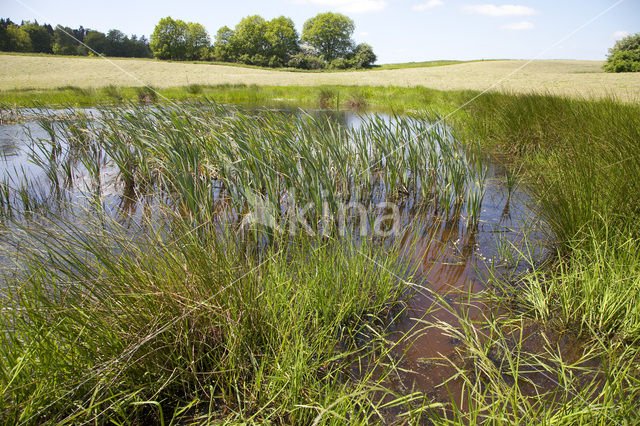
{"x":14,"y":149}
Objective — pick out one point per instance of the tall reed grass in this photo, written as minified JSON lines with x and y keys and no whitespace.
{"x":209,"y":158}
{"x":174,"y":315}
{"x":156,"y":323}
{"x":565,"y":347}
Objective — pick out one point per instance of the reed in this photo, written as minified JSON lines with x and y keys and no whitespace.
{"x":155,"y":322}
{"x":203,"y":156}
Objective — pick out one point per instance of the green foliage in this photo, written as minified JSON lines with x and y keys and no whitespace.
{"x":114,"y":92}
{"x":193,"y":326}
{"x":194,"y":89}
{"x":18,"y":39}
{"x":66,"y":41}
{"x":305,"y":62}
{"x":41,"y":39}
{"x":363,"y":56}
{"x":96,"y":41}
{"x":168,"y":39}
{"x":250,"y":37}
{"x":33,"y":37}
{"x":258,"y":42}
{"x":624,"y":61}
{"x":147,"y":95}
{"x":179,"y":40}
{"x":222,"y":48}
{"x":255,"y":41}
{"x":341,"y":64}
{"x":624,"y":56}
{"x":197,"y":42}
{"x":581,"y":155}
{"x":283,"y":40}
{"x":330,"y":34}
{"x":117,"y":44}
{"x":181,"y":308}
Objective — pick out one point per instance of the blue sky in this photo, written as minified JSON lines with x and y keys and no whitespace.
{"x":398,"y":30}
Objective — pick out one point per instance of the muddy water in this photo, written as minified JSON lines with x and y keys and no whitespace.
{"x":452,"y":264}
{"x":451,"y":260}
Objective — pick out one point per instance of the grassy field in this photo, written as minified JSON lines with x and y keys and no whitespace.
{"x":571,"y":78}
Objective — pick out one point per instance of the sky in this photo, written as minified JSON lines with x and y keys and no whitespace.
{"x":398,"y":30}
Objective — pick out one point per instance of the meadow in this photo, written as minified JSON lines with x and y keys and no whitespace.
{"x":583,"y":79}
{"x":133,"y":293}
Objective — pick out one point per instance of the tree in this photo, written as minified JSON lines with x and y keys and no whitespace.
{"x":41,"y":39}
{"x":97,"y":41}
{"x":138,"y":47}
{"x":222,"y":48}
{"x":249,"y":37}
{"x":179,"y":40}
{"x":624,"y":56}
{"x":197,"y":42}
{"x":168,"y":39}
{"x":363,"y":56}
{"x":18,"y":39}
{"x":330,"y":34}
{"x":65,"y":41}
{"x":4,"y":36}
{"x":283,"y":40}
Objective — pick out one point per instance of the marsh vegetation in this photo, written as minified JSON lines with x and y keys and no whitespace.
{"x":196,"y":262}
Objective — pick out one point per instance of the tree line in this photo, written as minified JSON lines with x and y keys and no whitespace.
{"x":326,"y":42}
{"x":33,"y":37}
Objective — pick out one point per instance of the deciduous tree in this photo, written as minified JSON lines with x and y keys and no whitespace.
{"x":283,"y":39}
{"x":330,"y":34}
{"x":41,"y":39}
{"x":624,"y":56}
{"x":168,"y":39}
{"x":18,"y":39}
{"x":197,"y":42}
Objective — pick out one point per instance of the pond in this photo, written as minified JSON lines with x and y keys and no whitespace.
{"x":456,"y":214}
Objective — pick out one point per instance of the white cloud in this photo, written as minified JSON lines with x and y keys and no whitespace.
{"x":352,"y":6}
{"x":518,"y":26}
{"x":504,"y":10}
{"x":363,"y":33}
{"x":620,"y":34}
{"x":427,"y":5}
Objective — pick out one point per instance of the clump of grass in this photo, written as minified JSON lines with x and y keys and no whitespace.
{"x":326,"y":98}
{"x":86,"y":92}
{"x":166,"y":323}
{"x":187,"y":313}
{"x":580,"y":159}
{"x":114,"y":92}
{"x":358,"y":101}
{"x":194,"y":89}
{"x":147,"y":95}
{"x":321,"y":164}
{"x":580,"y":156}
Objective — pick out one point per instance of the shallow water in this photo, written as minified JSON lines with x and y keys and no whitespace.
{"x":450,"y":258}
